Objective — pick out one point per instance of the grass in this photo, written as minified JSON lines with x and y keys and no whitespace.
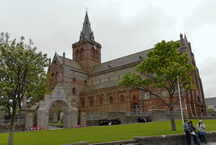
{"x":97,"y":134}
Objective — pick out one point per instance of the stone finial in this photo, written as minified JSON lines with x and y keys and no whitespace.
{"x":181,"y":39}
{"x":181,"y":36}
{"x":63,"y":54}
{"x":185,"y":38}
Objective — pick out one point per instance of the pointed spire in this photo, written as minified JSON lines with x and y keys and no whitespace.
{"x":181,"y":39}
{"x":181,"y":36}
{"x":86,"y":33}
{"x":185,"y":38}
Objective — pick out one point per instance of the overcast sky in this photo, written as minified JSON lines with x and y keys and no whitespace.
{"x":121,"y":26}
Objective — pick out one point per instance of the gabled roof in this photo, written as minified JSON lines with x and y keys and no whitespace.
{"x":68,"y":63}
{"x":122,"y":61}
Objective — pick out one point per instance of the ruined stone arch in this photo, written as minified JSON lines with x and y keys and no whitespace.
{"x":70,"y":110}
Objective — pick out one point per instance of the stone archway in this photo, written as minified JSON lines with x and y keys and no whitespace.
{"x":70,"y":110}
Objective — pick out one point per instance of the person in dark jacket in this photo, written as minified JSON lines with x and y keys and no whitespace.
{"x":201,"y":131}
{"x":194,"y":136}
{"x":187,"y":131}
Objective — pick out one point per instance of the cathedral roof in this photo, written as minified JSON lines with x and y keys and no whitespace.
{"x":122,"y":61}
{"x":69,"y":63}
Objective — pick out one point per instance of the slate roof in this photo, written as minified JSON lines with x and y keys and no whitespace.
{"x":100,"y":68}
{"x":86,"y":33}
{"x":125,"y":60}
{"x":211,"y":101}
{"x":70,"y":63}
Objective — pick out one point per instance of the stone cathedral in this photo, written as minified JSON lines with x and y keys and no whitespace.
{"x":87,"y":89}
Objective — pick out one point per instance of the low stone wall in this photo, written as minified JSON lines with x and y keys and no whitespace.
{"x":93,"y":117}
{"x":178,"y":139}
{"x":169,"y":139}
{"x":19,"y":124}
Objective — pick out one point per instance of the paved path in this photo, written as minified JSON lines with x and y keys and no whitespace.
{"x":53,"y":128}
{"x":211,"y":143}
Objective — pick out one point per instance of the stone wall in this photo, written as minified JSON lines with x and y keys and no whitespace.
{"x":110,"y":79}
{"x":178,"y":139}
{"x":163,"y":115}
{"x":93,"y":117}
{"x":19,"y":123}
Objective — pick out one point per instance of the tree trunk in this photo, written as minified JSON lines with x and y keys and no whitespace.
{"x":12,"y":128}
{"x":172,"y":119}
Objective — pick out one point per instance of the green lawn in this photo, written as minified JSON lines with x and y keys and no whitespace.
{"x":97,"y":134}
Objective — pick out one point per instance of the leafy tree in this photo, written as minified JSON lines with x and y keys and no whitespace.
{"x":160,"y":72}
{"x":22,"y":76}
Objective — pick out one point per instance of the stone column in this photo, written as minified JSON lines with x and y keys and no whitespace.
{"x":42,"y":118}
{"x":83,"y":118}
{"x":70,"y":118}
{"x":74,"y":116}
{"x":29,"y":119}
{"x":55,"y":116}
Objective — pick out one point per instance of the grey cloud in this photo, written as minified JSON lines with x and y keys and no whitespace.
{"x":208,"y":76}
{"x":203,"y":15}
{"x":121,"y":26}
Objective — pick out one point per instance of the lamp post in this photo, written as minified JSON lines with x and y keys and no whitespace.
{"x":180,"y":101}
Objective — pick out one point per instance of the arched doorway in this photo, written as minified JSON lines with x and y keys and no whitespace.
{"x":57,"y":114}
{"x":48,"y":112}
{"x":57,"y":107}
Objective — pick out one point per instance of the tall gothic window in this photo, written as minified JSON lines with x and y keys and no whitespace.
{"x":93,"y":51}
{"x":82,"y":102}
{"x":74,"y":91}
{"x":135,"y":99}
{"x":81,"y":53}
{"x":100,"y":100}
{"x":122,"y":99}
{"x":85,"y":82}
{"x":74,"y":80}
{"x":56,"y":76}
{"x":77,"y":54}
{"x":91,"y":101}
{"x":111,"y":100}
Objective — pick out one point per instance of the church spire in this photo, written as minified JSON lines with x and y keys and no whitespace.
{"x":86,"y":33}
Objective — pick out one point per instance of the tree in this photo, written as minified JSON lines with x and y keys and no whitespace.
{"x":160,"y":72}
{"x":22,"y":76}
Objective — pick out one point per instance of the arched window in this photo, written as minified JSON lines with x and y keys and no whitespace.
{"x":85,"y":82}
{"x":81,"y":53}
{"x":100,"y":100}
{"x":93,"y":51}
{"x":122,"y":99}
{"x":110,"y":99}
{"x":56,"y":76}
{"x":77,"y":53}
{"x":82,"y":102}
{"x":74,"y":80}
{"x":135,"y":99}
{"x":52,"y":74}
{"x":74,"y":91}
{"x":91,"y":101}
